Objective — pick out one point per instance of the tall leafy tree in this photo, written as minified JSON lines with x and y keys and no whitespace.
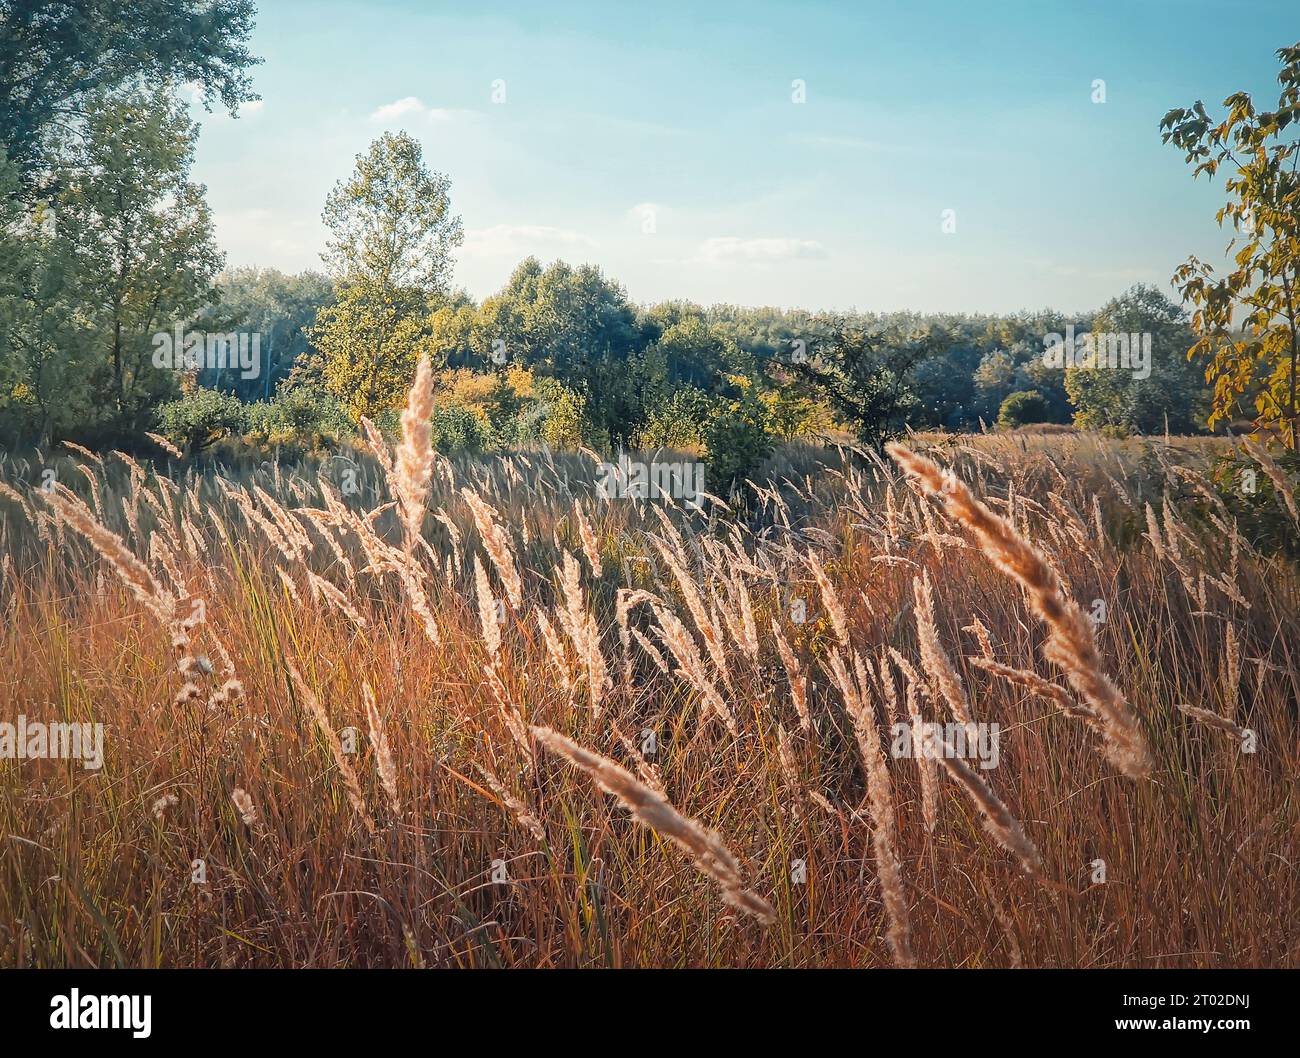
{"x":390,"y":222}
{"x":367,"y":341}
{"x":389,"y":254}
{"x":57,"y":55}
{"x":44,"y":363}
{"x":570,"y":324}
{"x":1249,"y":319}
{"x":1172,"y":395}
{"x":123,"y":252}
{"x":863,"y":371}
{"x":141,"y":241}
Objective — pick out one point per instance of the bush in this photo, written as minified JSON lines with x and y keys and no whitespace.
{"x":307,"y":412}
{"x":1253,"y":500}
{"x":561,"y":416}
{"x":201,"y":418}
{"x":678,"y":422}
{"x":1022,"y":408}
{"x":737,"y":440}
{"x":457,"y":427}
{"x":297,"y":416}
{"x":793,"y":417}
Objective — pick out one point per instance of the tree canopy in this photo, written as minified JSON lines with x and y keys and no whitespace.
{"x":56,"y":55}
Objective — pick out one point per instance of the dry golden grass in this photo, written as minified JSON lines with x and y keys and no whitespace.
{"x":382,"y":727}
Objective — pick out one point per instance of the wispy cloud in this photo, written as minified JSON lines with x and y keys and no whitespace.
{"x":731,"y":250}
{"x":399,"y":108}
{"x":504,"y":240}
{"x":412,"y":107}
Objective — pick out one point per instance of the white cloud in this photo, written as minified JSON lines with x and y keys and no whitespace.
{"x":521,"y":239}
{"x":728,"y":249}
{"x":253,"y":106}
{"x":412,"y":107}
{"x":398,"y":108}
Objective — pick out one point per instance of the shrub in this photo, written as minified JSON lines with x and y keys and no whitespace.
{"x":1021,"y":408}
{"x":557,"y":417}
{"x":298,"y":416}
{"x":793,"y":417}
{"x":201,"y":418}
{"x":677,"y":422}
{"x":307,"y":412}
{"x":457,"y":427}
{"x":1253,"y":500}
{"x":737,"y":441}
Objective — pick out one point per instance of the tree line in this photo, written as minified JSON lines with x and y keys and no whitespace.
{"x":107,"y":250}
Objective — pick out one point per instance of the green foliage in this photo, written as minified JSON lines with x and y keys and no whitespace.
{"x":1171,"y":395}
{"x":737,"y":440}
{"x":1021,"y":408}
{"x":297,"y":415}
{"x":1015,"y":362}
{"x":508,"y":409}
{"x":56,"y":56}
{"x":1101,"y":399}
{"x":457,"y":427}
{"x":863,"y":372}
{"x":280,"y":309}
{"x":201,"y":418}
{"x":559,"y":418}
{"x":390,"y":222}
{"x":1249,"y":319}
{"x":792,"y":416}
{"x":391,"y":237}
{"x":569,"y":324}
{"x":132,"y":254}
{"x":366,"y":346}
{"x":677,"y":421}
{"x":1253,"y":501}
{"x":43,"y":365}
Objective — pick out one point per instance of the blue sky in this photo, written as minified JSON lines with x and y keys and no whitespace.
{"x":679,"y":117}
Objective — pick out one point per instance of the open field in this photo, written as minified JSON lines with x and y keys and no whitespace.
{"x":255,"y":809}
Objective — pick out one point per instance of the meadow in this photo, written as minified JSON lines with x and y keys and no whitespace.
{"x":395,"y":709}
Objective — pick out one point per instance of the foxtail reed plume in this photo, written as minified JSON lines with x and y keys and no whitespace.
{"x":322,"y":720}
{"x":499,"y":547}
{"x":1214,"y":720}
{"x":590,"y":545}
{"x":884,"y":821}
{"x":243,"y":805}
{"x":165,"y":445}
{"x":1031,"y":681}
{"x":653,"y":810}
{"x":1281,"y":483}
{"x":414,"y":456}
{"x":1001,"y":825}
{"x":1071,"y":644}
{"x":830,"y":599}
{"x":933,"y":658}
{"x":798,"y":682}
{"x":383,"y":755}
